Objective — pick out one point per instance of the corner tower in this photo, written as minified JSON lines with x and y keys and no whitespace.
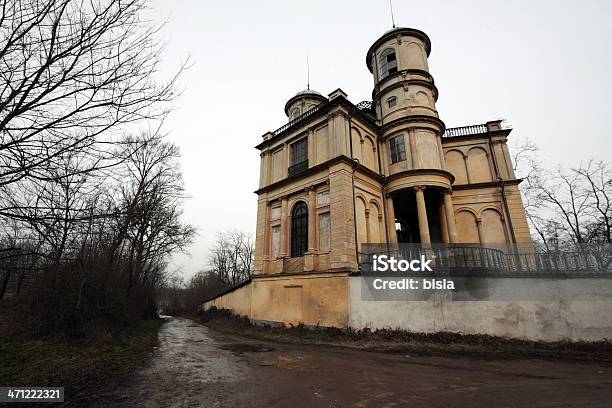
{"x":418,"y":184}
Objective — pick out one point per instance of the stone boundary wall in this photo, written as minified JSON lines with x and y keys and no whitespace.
{"x":237,"y":300}
{"x":562,"y":313}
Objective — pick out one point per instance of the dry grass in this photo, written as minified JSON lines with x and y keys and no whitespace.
{"x":403,"y":341}
{"x":83,"y":367}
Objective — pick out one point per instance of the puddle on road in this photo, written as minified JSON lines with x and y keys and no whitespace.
{"x":247,"y":348}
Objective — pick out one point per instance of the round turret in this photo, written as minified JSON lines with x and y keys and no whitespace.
{"x":303,"y":101}
{"x":405,"y":95}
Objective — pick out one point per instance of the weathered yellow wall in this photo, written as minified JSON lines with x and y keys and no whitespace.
{"x":310,"y":299}
{"x":238,"y":301}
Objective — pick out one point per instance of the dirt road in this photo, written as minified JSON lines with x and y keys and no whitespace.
{"x":196,"y":367}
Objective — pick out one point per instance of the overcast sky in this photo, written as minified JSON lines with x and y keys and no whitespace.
{"x":544,"y":66}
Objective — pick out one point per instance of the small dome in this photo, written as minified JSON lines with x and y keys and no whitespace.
{"x":308,"y":92}
{"x":310,"y":95}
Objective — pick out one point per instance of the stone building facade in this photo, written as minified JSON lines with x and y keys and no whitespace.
{"x":338,"y":175}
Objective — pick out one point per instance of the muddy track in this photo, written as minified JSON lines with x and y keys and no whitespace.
{"x":196,"y":367}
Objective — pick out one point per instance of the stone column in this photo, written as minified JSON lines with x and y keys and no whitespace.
{"x":391,"y":219}
{"x":312,"y":219}
{"x":284,"y":229}
{"x":480,"y":232}
{"x":443,"y":223}
{"x":286,"y":149}
{"x":309,"y":256}
{"x":367,"y":223}
{"x":267,"y":237}
{"x":422,"y":211}
{"x":263,"y":170}
{"x":414,"y":157}
{"x":450,"y":217}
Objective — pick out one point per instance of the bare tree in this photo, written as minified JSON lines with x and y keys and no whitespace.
{"x":566,"y":207}
{"x":90,"y":214}
{"x":231,"y":258}
{"x":73,"y":75}
{"x":597,"y":179}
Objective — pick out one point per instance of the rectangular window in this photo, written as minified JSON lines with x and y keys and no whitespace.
{"x":397,"y":148}
{"x":299,"y":152}
{"x":299,"y":157}
{"x":324,"y":232}
{"x":276,"y":241}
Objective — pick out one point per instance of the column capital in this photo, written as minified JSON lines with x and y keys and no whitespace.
{"x":419,"y":188}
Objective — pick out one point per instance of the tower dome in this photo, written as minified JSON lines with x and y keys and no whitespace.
{"x":302,"y":102}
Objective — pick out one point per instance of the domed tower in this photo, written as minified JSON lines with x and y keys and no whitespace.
{"x":418,"y":186}
{"x":302,"y":102}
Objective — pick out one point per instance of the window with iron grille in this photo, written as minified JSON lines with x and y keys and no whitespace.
{"x":397,"y":148}
{"x":299,"y":152}
{"x":388,"y":63}
{"x":299,"y":230}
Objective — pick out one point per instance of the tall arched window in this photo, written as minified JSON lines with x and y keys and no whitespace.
{"x":299,"y":229}
{"x":388,"y":63}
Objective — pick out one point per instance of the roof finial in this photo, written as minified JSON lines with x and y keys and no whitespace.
{"x":307,"y":72}
{"x":392,"y":18}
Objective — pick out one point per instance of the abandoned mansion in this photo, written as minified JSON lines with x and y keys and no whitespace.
{"x":338,"y":175}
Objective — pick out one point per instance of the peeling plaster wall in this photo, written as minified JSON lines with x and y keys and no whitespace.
{"x":564,"y":316}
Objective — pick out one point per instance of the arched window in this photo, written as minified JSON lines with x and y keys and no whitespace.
{"x":299,"y":229}
{"x":392,"y":101}
{"x":388,"y":63}
{"x":295,"y":112}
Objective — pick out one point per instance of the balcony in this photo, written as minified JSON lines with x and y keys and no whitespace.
{"x":466,"y":131}
{"x":297,"y":168}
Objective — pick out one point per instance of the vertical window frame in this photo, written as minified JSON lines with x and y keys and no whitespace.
{"x":397,"y":149}
{"x":299,"y":151}
{"x":299,"y":229}
{"x":388,"y":62}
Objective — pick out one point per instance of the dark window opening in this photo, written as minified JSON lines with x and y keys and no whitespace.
{"x":392,"y":101}
{"x":398,"y":149}
{"x":388,"y":63}
{"x":299,"y":152}
{"x":299,"y":230}
{"x":299,"y":157}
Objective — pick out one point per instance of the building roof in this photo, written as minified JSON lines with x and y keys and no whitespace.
{"x":306,"y":93}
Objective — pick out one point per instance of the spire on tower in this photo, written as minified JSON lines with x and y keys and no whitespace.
{"x":307,"y":72}
{"x":392,"y":18}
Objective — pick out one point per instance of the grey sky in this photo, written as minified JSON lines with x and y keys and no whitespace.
{"x":544,"y":66}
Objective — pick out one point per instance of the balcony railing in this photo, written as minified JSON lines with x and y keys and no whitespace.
{"x":475,"y":260}
{"x":299,"y":119}
{"x":298,"y":168}
{"x":465,"y":131}
{"x":364,"y":106}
